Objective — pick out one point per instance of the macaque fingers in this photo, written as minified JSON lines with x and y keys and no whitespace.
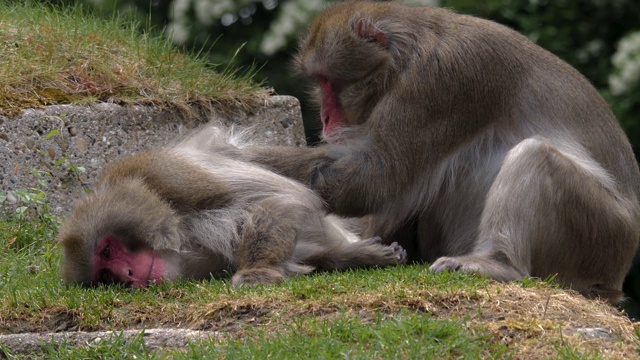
{"x":483,"y":265}
{"x":360,"y":254}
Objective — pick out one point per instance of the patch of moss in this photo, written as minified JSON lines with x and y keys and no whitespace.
{"x":12,"y":102}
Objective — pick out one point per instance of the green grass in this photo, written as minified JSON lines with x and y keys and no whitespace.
{"x":327,"y":315}
{"x":399,"y":336}
{"x":52,"y":56}
{"x":404,"y":312}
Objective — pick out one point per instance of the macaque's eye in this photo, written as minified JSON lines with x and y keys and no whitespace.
{"x":106,"y":252}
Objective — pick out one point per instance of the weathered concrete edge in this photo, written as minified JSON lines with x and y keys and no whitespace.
{"x":165,"y":338}
{"x":29,"y":343}
{"x":41,"y":149}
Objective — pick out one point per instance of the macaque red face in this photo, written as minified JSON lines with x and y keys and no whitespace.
{"x":351,"y":73}
{"x":331,"y":112}
{"x":114,"y":263}
{"x":109,"y":238}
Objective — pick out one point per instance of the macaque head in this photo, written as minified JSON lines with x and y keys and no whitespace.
{"x":107,"y":238}
{"x":350,"y":56}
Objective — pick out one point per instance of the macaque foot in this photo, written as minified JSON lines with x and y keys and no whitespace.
{"x":394,"y":251}
{"x":398,"y":252}
{"x":257,"y":276}
{"x":497,"y":268}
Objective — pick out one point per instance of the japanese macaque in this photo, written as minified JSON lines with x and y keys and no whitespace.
{"x":469,"y":145}
{"x":196,"y":210}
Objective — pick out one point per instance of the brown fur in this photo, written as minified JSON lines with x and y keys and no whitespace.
{"x":469,"y":145}
{"x":205,"y":212}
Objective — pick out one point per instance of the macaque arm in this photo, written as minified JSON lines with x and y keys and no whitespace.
{"x":284,"y":238}
{"x":268,"y":241}
{"x":353,"y":179}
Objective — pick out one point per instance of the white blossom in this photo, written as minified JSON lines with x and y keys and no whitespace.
{"x":292,"y":18}
{"x":626,"y":62}
{"x":177,"y":32}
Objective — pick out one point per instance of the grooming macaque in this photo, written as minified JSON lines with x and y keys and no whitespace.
{"x":196,"y":210}
{"x":469,"y":145}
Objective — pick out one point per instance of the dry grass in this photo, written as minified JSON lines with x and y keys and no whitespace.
{"x":52,"y":56}
{"x":536,"y":321}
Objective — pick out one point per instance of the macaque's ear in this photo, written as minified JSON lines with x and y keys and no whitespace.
{"x":366,"y":29}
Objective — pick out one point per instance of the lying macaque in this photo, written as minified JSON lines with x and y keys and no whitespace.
{"x":198,"y":209}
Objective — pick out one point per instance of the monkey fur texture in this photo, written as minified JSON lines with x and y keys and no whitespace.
{"x":196,"y":210}
{"x":469,"y":145}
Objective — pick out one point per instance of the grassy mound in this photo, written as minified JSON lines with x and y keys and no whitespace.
{"x":59,"y":56}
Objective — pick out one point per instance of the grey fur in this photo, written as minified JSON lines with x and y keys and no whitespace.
{"x":469,"y":145}
{"x":206,"y":211}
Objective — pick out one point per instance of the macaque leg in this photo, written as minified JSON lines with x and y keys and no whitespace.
{"x":331,"y":243}
{"x":360,"y":254}
{"x":268,"y":241}
{"x":549,"y":212}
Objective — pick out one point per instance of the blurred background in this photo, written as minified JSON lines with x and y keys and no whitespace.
{"x":601,"y":38}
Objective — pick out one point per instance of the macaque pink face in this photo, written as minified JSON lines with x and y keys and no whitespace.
{"x":331,"y":111}
{"x":114,"y":263}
